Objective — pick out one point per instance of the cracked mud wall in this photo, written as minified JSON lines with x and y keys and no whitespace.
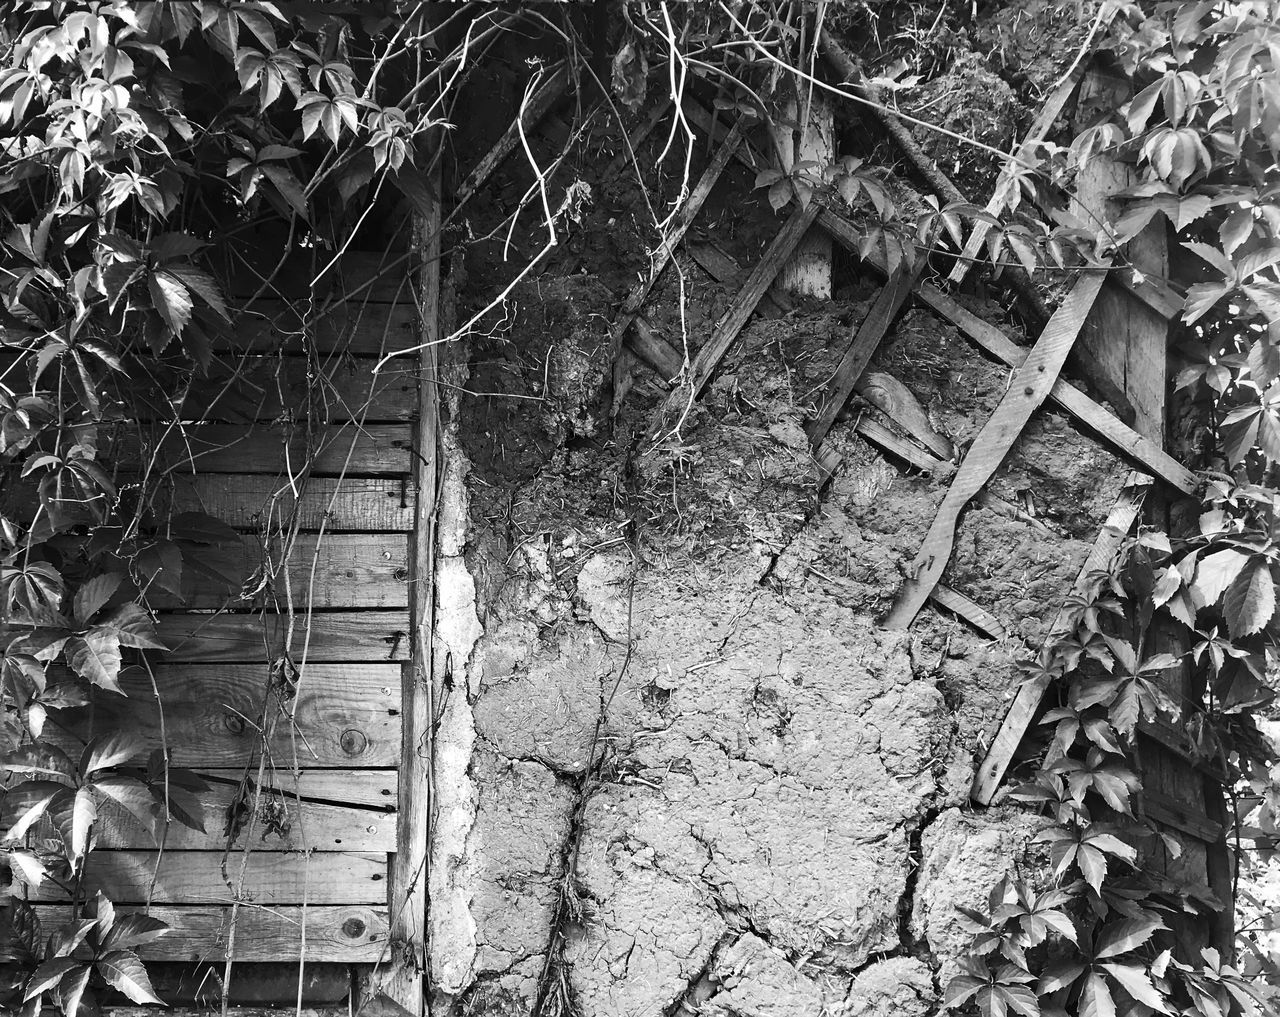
{"x":679,"y":767}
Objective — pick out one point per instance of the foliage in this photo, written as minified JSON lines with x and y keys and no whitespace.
{"x":140,"y":146}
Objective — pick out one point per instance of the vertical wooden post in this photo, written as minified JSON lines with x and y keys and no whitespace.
{"x":404,"y":982}
{"x":808,"y":272}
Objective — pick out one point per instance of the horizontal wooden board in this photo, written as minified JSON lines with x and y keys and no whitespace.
{"x":271,"y":449}
{"x":352,"y":933}
{"x":250,"y":502}
{"x":333,"y":570}
{"x":373,"y":330}
{"x":272,"y":877}
{"x":362,"y":788}
{"x":302,"y":826}
{"x":333,"y":388}
{"x":336,"y":636}
{"x":368,"y":275}
{"x":344,"y":715}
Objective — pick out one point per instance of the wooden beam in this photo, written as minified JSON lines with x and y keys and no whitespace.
{"x":897,"y":402}
{"x":196,"y":877}
{"x":1026,"y":702}
{"x":976,"y":615}
{"x":335,"y":636}
{"x":1026,"y":393}
{"x":723,"y":268}
{"x":740,"y":311}
{"x":345,"y":934}
{"x":865,"y":341}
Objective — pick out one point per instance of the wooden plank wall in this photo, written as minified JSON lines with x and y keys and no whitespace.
{"x":291,"y":427}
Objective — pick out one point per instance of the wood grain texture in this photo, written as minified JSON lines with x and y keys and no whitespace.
{"x":864,"y":343}
{"x":899,"y":404}
{"x":1026,"y":393}
{"x":1026,"y":702}
{"x":349,"y":934}
{"x":239,"y":389}
{"x":336,"y":636}
{"x":344,"y":715}
{"x":723,"y":268}
{"x":271,"y":449}
{"x":195,"y":877}
{"x":303,"y":825}
{"x":334,"y":570}
{"x":252,"y":502}
{"x":354,"y":327}
{"x":739,"y":312}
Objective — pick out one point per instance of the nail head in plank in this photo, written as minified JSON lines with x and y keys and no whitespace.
{"x":346,"y":934}
{"x":336,"y":636}
{"x":272,"y":877}
{"x":1027,"y":392}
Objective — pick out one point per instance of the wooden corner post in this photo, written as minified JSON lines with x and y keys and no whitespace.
{"x":402,"y":984}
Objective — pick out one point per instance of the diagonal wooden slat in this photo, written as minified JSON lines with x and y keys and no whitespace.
{"x":740,"y":311}
{"x":866,"y":340}
{"x":546,"y":96}
{"x":1007,"y":183}
{"x":1027,"y":392}
{"x":1027,"y":701}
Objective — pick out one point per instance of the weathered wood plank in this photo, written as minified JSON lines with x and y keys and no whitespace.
{"x":899,"y":404}
{"x":250,"y":502}
{"x":740,"y":311}
{"x":865,"y":341}
{"x":348,"y":934}
{"x":302,"y":826}
{"x":234,"y":448}
{"x":1026,"y":702}
{"x":364,"y":329}
{"x":334,"y":389}
{"x":363,"y":788}
{"x":336,"y":636}
{"x":334,"y":570}
{"x":343,"y":715}
{"x":975,"y":614}
{"x":1026,"y":393}
{"x":195,"y":877}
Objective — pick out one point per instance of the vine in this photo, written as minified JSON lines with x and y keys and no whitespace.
{"x":142,"y":144}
